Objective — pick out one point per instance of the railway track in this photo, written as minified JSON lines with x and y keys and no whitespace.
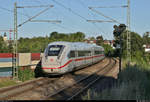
{"x":70,"y":92}
{"x":64,"y":92}
{"x":6,"y":93}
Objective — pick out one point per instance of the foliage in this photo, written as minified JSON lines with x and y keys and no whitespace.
{"x":38,"y":44}
{"x":137,"y":42}
{"x":146,"y":38}
{"x":4,"y":48}
{"x":99,"y":40}
{"x":25,"y":74}
{"x":133,"y":84}
{"x":108,"y":50}
{"x":7,"y":82}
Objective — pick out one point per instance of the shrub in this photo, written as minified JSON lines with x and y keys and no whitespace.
{"x":133,"y":84}
{"x":25,"y":74}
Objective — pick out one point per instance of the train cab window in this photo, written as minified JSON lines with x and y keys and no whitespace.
{"x":71,"y":54}
{"x":54,"y":50}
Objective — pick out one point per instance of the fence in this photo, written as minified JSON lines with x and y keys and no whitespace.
{"x":25,"y":59}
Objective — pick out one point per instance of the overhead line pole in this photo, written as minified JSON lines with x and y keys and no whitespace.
{"x":15,"y":60}
{"x":100,"y":21}
{"x":12,"y":11}
{"x":52,"y":21}
{"x":128,"y":34}
{"x":111,"y":6}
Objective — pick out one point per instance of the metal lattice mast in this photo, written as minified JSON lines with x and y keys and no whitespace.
{"x":15,"y":58}
{"x":128,"y":34}
{"x":15,"y":53}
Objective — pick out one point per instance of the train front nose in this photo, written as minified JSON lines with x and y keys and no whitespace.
{"x":51,"y":65}
{"x":51,"y":59}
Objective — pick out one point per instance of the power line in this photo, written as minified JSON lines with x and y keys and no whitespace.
{"x":91,"y":8}
{"x":94,"y":23}
{"x":64,"y":27}
{"x":105,"y":34}
{"x":34,"y":16}
{"x":2,"y":8}
{"x":69,"y":9}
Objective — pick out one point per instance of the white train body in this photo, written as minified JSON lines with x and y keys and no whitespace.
{"x":63,"y":57}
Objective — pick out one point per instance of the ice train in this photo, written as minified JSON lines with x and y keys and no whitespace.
{"x":63,"y":57}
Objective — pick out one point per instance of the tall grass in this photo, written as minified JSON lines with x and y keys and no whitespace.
{"x":133,"y":84}
{"x":25,"y":74}
{"x":7,"y":82}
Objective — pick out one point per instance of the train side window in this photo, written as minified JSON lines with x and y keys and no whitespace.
{"x":71,"y":54}
{"x":84,"y":53}
{"x":87,"y":53}
{"x":81,"y":53}
{"x":98,"y":52}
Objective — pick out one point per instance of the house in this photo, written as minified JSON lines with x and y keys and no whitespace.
{"x":147,"y":48}
{"x":90,"y":41}
{"x":110,"y":42}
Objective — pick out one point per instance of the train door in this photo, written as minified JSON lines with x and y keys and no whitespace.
{"x":88,"y":58}
{"x":75,"y":59}
{"x":93,"y":54}
{"x":71,"y":58}
{"x":80,"y":61}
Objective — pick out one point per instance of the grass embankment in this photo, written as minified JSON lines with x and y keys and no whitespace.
{"x":7,"y":82}
{"x":24,"y":74}
{"x":133,"y":83}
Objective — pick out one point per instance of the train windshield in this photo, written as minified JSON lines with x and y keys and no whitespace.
{"x":55,"y":50}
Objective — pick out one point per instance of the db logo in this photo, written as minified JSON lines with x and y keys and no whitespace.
{"x":51,"y":60}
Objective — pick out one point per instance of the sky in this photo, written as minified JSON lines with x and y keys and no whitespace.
{"x":73,"y":15}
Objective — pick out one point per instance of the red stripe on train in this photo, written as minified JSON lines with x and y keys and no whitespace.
{"x":60,"y":66}
{"x":79,"y":59}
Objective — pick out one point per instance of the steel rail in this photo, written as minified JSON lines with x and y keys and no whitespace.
{"x":13,"y":94}
{"x":82,"y":79}
{"x":26,"y":89}
{"x":20,"y":85}
{"x":94,"y":81}
{"x":25,"y":84}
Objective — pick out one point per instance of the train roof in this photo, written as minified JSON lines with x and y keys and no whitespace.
{"x":77,"y":45}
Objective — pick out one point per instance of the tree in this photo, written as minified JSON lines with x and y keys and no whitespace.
{"x":146,"y":38}
{"x":136,"y":44}
{"x":38,"y":44}
{"x":108,"y":50}
{"x":92,"y":38}
{"x":54,"y":35}
{"x":99,"y":40}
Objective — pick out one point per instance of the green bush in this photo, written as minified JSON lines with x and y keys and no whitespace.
{"x":133,"y":84}
{"x":25,"y":74}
